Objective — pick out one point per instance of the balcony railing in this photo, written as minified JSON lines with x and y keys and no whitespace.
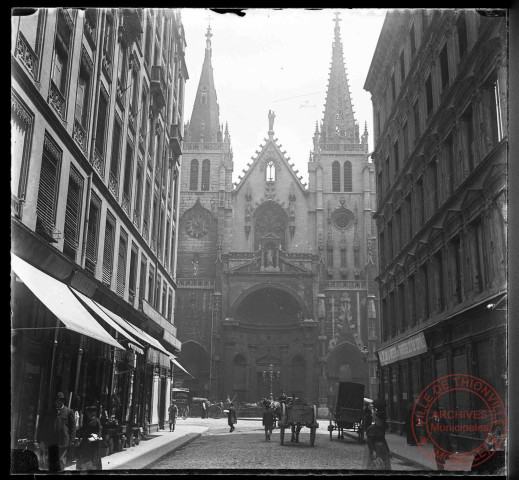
{"x":16,"y":206}
{"x":113,"y":185}
{"x":158,"y":86}
{"x":26,"y":54}
{"x":80,"y":136}
{"x":176,"y":139}
{"x":136,"y":219}
{"x":126,"y":204}
{"x":203,"y":146}
{"x":98,"y":162}
{"x":343,"y":147}
{"x":56,"y":99}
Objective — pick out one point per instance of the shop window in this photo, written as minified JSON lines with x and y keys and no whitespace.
{"x":73,"y":214}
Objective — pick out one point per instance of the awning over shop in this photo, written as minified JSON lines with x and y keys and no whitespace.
{"x":58,"y":298}
{"x":175,"y":361}
{"x":132,"y":341}
{"x":139,"y":333}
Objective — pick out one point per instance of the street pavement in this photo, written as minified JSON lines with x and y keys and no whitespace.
{"x":206,"y":444}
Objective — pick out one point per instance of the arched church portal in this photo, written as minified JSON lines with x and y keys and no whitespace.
{"x":345,"y":363}
{"x":195,"y":358}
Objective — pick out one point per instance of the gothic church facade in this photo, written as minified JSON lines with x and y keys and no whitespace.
{"x":274,"y":274}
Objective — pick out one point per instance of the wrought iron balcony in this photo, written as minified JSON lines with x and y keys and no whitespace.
{"x":26,"y":54}
{"x":158,"y":86}
{"x":98,"y":162}
{"x":16,"y":206}
{"x":175,"y":139}
{"x":136,"y":219}
{"x":56,"y":99}
{"x":126,"y":204}
{"x":113,"y":185}
{"x":80,"y":136}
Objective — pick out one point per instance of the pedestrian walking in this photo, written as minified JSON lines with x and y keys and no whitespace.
{"x":376,"y":453}
{"x":204,"y":409}
{"x":410,"y":421}
{"x":57,"y":434}
{"x":89,"y":457}
{"x":231,"y":417}
{"x":367,"y":419}
{"x":172,"y":414}
{"x":441,"y":439}
{"x":268,"y":422}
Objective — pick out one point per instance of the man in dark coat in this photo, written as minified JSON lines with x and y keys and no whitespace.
{"x":172,"y":416}
{"x":231,"y":417}
{"x":58,"y":433}
{"x":90,"y":438}
{"x":268,"y":422}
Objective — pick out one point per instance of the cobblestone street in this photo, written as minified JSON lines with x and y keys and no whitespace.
{"x":246,"y":448}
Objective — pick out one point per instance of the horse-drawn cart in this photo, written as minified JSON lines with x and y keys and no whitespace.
{"x":296,"y":417}
{"x":348,"y":409}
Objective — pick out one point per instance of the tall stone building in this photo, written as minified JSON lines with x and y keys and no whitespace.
{"x":96,"y":115}
{"x":271,"y":271}
{"x":439,"y":88}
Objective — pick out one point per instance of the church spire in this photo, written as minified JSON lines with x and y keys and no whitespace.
{"x":339,"y":123}
{"x":205,"y":119}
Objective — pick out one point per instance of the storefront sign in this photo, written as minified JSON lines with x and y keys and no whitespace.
{"x":410,"y":347}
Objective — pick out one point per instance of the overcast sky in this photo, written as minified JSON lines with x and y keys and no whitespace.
{"x":279,"y":60}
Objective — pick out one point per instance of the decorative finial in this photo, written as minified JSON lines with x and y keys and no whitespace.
{"x":271,"y":123}
{"x":208,"y":36}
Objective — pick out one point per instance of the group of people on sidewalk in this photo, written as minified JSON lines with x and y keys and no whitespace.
{"x":58,"y":434}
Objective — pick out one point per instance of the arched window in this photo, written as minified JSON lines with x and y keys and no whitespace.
{"x":271,"y":171}
{"x":336,"y":177}
{"x":269,"y":218}
{"x":206,"y":174}
{"x":193,"y":179}
{"x":347,"y":176}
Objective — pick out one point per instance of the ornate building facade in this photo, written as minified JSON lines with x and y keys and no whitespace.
{"x":272,"y":271}
{"x":438,"y":82}
{"x":96,"y":109}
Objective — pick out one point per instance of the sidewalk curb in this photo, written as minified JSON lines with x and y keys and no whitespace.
{"x":181,"y":444}
{"x":419,"y":465}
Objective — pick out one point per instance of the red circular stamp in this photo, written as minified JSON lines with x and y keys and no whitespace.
{"x":477,"y":421}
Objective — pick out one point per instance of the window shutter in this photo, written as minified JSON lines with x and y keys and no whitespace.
{"x":108,"y":253}
{"x":73,"y":215}
{"x":92,"y":236}
{"x":47,"y":191}
{"x":121,"y":266}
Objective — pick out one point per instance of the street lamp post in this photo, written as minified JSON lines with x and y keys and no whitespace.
{"x":270,"y":375}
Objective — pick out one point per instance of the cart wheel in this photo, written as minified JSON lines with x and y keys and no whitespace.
{"x":281,"y":435}
{"x":312,"y":436}
{"x":215,"y":411}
